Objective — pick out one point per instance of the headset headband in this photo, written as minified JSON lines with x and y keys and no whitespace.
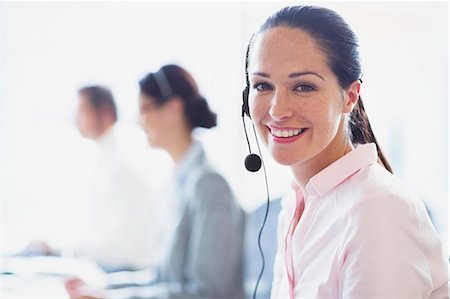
{"x":163,"y":83}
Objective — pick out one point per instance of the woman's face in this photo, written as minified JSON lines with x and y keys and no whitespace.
{"x":155,"y":120}
{"x":295,"y":100}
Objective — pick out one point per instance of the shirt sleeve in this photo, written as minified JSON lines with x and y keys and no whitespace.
{"x":383,"y":251}
{"x":122,"y":279}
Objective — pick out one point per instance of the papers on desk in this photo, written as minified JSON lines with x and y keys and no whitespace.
{"x":33,"y":276}
{"x":38,"y":286}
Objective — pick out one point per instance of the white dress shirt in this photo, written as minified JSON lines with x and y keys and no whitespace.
{"x":119,"y":227}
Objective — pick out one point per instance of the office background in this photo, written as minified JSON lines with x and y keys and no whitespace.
{"x":50,"y":49}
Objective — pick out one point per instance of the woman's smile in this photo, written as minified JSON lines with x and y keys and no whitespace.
{"x":286,"y":134}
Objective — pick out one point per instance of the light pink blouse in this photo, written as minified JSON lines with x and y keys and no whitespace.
{"x":360,"y":233}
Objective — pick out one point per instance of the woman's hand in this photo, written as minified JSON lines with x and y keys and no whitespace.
{"x":36,"y":248}
{"x":78,"y":289}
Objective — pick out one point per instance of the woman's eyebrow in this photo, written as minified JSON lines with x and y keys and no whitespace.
{"x":293,"y":75}
{"x":298,"y":74}
{"x":261,"y":74}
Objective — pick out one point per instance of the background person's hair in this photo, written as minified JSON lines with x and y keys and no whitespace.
{"x":99,"y":97}
{"x":340,"y":45}
{"x":181,"y":84}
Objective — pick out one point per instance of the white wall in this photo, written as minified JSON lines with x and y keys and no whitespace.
{"x":50,"y":49}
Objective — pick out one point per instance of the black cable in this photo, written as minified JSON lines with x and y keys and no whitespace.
{"x":246,"y":135}
{"x":265,"y":216}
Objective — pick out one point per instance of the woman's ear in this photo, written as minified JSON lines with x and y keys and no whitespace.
{"x":351,"y":96}
{"x":176,"y":104}
{"x":175,"y":108}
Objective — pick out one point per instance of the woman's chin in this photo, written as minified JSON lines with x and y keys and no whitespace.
{"x":284,"y":159}
{"x":290,"y":158}
{"x":152,"y":142}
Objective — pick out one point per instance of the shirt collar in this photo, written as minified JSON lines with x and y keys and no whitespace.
{"x":192,"y":157}
{"x":331,"y":176}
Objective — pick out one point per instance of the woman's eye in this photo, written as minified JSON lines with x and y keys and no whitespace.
{"x":304,"y":88}
{"x":262,"y":86}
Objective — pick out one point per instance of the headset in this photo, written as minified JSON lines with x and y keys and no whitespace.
{"x":253,"y":162}
{"x":163,"y":83}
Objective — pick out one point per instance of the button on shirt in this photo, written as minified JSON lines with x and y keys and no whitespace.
{"x":360,"y":233}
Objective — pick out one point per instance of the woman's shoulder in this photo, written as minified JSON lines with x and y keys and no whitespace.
{"x":381,"y":196}
{"x":206,"y":183}
{"x":205,"y":173}
{"x":375,"y":182}
{"x":210,"y":177}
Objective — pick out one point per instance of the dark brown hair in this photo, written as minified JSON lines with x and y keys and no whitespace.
{"x":99,"y":97}
{"x":172,"y":80}
{"x":340,"y":44}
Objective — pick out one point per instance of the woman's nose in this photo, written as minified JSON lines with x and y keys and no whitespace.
{"x":280,"y":108}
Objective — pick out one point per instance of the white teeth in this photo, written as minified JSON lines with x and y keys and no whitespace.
{"x":286,"y":133}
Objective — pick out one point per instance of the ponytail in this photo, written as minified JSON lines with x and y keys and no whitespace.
{"x":199,"y":114}
{"x":361,"y":132}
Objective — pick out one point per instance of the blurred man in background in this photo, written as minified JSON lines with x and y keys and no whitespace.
{"x":117,"y":225}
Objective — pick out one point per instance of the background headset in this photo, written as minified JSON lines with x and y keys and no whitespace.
{"x":163,"y":83}
{"x":253,"y":162}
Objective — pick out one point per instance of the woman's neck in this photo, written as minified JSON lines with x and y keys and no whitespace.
{"x":339,"y":147}
{"x":179,"y":146}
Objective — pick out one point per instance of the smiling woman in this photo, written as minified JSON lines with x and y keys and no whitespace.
{"x":352,"y":229}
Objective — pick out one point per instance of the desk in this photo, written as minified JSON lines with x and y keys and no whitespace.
{"x":37,"y":286}
{"x":43,"y":277}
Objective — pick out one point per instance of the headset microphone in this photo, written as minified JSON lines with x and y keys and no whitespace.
{"x":252,"y":161}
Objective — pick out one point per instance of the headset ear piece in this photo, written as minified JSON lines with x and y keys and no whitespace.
{"x":245,"y":108}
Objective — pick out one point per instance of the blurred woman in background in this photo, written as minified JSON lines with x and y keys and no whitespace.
{"x":199,"y":243}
